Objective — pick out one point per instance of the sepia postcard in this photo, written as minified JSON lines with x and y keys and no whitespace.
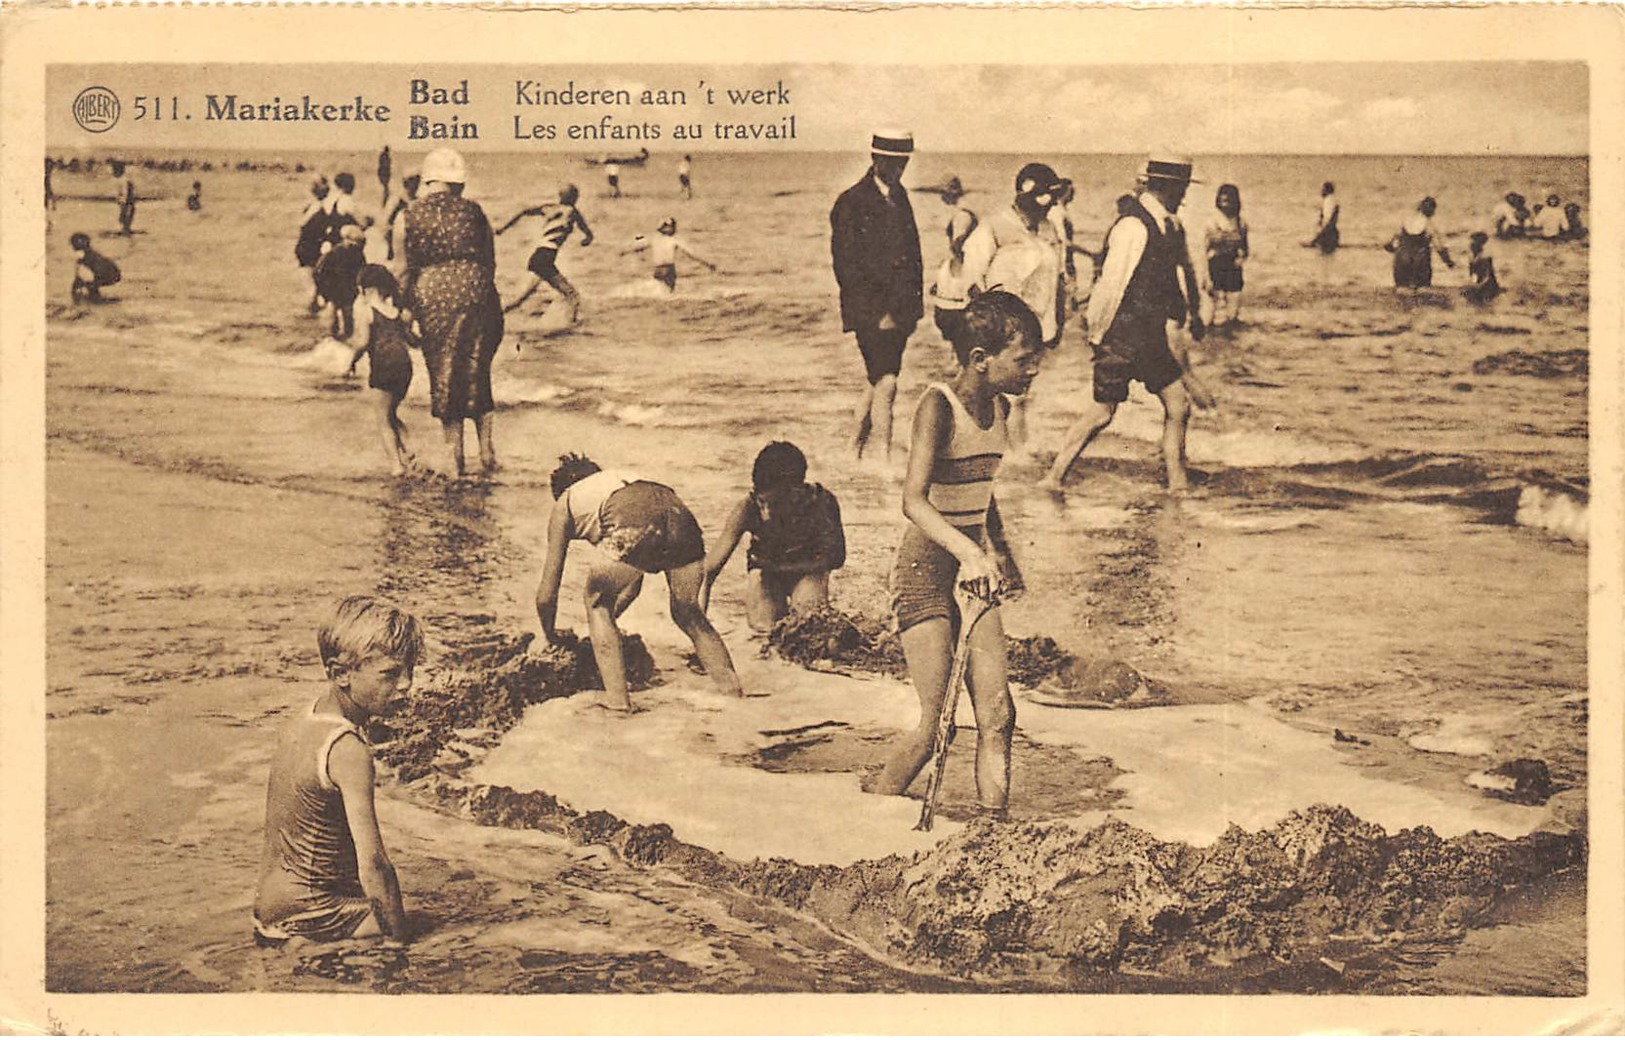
{"x":942,"y":519}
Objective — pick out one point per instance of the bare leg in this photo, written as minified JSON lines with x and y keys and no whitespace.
{"x":684,"y":584}
{"x":488,"y":453}
{"x":764,"y":601}
{"x":880,"y":414}
{"x":384,"y":408}
{"x":1095,"y":418}
{"x":928,"y":647}
{"x":810,"y":593}
{"x":530,"y":290}
{"x":1176,"y":406}
{"x":607,"y":583}
{"x":995,"y":711}
{"x":453,"y":430}
{"x":568,"y":292}
{"x":861,"y":419}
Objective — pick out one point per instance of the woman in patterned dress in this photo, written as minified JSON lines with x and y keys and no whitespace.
{"x":450,"y":281}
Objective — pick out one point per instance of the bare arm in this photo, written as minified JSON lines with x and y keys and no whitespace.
{"x":362,"y":332}
{"x":581,"y":222}
{"x":560,"y":529}
{"x":697,"y":258}
{"x":521,"y":215}
{"x":933,"y":423}
{"x":1010,"y":579}
{"x":728,"y":540}
{"x":349,"y":763}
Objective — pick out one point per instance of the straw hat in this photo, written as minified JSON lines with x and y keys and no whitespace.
{"x":446,"y":165}
{"x":1164,"y":166}
{"x":892,"y":142}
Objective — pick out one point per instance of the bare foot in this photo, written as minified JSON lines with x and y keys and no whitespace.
{"x":490,"y":464}
{"x":620,"y":707}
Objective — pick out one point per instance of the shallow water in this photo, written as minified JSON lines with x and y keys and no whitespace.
{"x":1385,"y":543}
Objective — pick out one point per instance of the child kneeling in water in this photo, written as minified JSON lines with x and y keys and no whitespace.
{"x":796,"y":539}
{"x":956,"y":538}
{"x":383,"y":330}
{"x":324,"y":874}
{"x":642,"y":528}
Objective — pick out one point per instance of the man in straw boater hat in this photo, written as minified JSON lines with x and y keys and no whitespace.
{"x":876,"y":251}
{"x":1138,"y":294}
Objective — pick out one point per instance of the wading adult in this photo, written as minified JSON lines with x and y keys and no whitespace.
{"x":450,"y":283}
{"x":876,"y":251}
{"x":1138,"y":294}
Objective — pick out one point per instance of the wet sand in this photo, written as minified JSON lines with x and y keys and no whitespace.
{"x":212,"y":484}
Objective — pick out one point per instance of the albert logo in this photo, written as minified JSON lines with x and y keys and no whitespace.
{"x":96,"y":109}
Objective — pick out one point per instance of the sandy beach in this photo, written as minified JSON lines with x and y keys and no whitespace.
{"x":1376,"y":597}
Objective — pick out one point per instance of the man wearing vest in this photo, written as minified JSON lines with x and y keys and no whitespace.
{"x":1138,"y":294}
{"x":876,"y":251}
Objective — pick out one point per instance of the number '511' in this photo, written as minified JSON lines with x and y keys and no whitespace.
{"x":154,"y":107}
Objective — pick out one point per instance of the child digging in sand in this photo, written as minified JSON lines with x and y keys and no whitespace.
{"x":956,"y":538}
{"x":796,"y":539}
{"x":641,"y":528}
{"x":324,"y":874}
{"x":383,"y":330}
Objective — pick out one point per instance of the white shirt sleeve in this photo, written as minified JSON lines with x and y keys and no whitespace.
{"x":1124,"y":247}
{"x":979,"y":250}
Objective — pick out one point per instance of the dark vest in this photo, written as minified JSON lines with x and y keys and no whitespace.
{"x":1153,"y":296}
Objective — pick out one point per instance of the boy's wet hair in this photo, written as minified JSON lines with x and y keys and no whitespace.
{"x":80,"y":240}
{"x":344,"y":182}
{"x":780,"y":464}
{"x":377,"y":276}
{"x":362,"y":627}
{"x":572,"y":469}
{"x":994,"y":321}
{"x":1478,"y":238}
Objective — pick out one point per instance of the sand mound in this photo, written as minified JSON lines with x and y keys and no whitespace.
{"x":484,"y":689}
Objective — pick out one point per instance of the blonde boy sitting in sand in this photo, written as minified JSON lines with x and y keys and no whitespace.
{"x":956,"y":538}
{"x":324,"y":874}
{"x":640,"y":527}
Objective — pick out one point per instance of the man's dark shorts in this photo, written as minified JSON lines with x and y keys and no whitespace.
{"x":1145,"y":357}
{"x":882,"y":351}
{"x":544,"y":264}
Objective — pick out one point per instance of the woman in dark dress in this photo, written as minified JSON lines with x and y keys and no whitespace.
{"x":450,"y":281}
{"x":1414,"y":246}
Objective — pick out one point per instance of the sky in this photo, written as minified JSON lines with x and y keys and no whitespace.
{"x":1367,"y":108}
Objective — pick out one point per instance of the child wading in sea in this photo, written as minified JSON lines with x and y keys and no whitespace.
{"x":641,"y":528}
{"x":1481,"y":265}
{"x":324,"y":874}
{"x":796,"y":539}
{"x":558,"y":220}
{"x":383,"y":330}
{"x":956,"y":538}
{"x":92,"y":272}
{"x":1226,"y":239}
{"x":663,"y":251}
{"x":194,"y":201}
{"x":336,"y":273}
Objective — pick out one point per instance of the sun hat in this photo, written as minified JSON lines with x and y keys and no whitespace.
{"x":1163,"y":166}
{"x":1038,"y":177}
{"x":892,"y":142}
{"x":445,"y":165}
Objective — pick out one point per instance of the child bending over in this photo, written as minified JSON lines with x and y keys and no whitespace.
{"x":796,"y":539}
{"x":324,"y":874}
{"x":955,"y":537}
{"x":642,"y":528}
{"x":92,"y":272}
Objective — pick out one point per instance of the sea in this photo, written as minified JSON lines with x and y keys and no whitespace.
{"x":1388,"y":539}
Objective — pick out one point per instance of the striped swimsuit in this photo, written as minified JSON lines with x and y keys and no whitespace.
{"x":961,"y":489}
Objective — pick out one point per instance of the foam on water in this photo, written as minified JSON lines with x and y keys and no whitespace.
{"x":1556,"y":511}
